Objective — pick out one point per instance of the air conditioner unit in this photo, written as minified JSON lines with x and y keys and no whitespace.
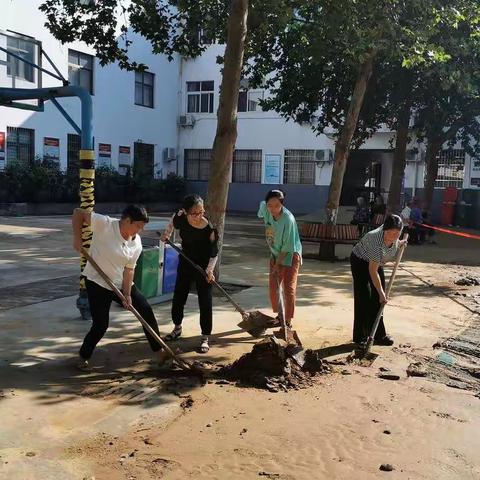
{"x":412,"y":156}
{"x":169,"y":154}
{"x":323,"y":156}
{"x":186,"y":121}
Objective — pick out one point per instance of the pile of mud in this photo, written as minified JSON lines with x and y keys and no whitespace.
{"x":271,"y":366}
{"x":468,"y":281}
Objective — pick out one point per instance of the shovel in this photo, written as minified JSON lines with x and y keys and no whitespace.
{"x":180,"y":362}
{"x":368,"y":345}
{"x":255,"y":322}
{"x":294,"y":345}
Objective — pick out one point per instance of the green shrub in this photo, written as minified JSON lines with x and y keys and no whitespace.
{"x":44,"y":182}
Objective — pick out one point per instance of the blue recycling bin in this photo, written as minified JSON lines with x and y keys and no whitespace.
{"x":170,"y":264}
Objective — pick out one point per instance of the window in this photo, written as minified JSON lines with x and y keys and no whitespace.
{"x":200,"y":97}
{"x":451,"y":168}
{"x":247,"y":166}
{"x":20,"y":145}
{"x":15,"y":67}
{"x":80,"y":70}
{"x":73,"y":152}
{"x":143,"y":160}
{"x":197,"y":164}
{"x":249,"y":100}
{"x":299,"y":167}
{"x":144,"y":89}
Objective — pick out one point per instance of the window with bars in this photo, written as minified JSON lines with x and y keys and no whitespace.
{"x":20,"y":145}
{"x":144,"y":90}
{"x":451,"y":168}
{"x":200,"y":97}
{"x":73,"y":152}
{"x":143,"y":160}
{"x":247,"y":166}
{"x":80,"y":70}
{"x":15,"y":67}
{"x":249,"y":100}
{"x":197,"y":164}
{"x":299,"y":167}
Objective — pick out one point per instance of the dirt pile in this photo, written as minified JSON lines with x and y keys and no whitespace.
{"x":468,"y":281}
{"x":270,"y":366}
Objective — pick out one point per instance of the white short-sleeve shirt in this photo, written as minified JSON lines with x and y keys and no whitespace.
{"x":111,"y":251}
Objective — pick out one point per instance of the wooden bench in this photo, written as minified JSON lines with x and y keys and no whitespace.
{"x":327,"y":236}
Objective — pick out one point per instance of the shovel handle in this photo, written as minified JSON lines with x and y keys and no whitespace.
{"x":132,"y":309}
{"x":204,"y":274}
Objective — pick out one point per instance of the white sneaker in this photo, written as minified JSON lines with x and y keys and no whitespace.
{"x":83,"y":365}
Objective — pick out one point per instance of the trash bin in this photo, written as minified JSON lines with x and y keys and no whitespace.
{"x":463,"y":214}
{"x":147,"y":270}
{"x":448,"y":205}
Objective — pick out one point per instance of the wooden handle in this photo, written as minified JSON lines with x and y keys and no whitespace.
{"x":204,"y":274}
{"x":144,"y":323}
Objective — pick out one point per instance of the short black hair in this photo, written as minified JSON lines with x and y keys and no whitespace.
{"x":392,"y":222}
{"x":136,"y":213}
{"x":275,"y":194}
{"x":191,"y":200}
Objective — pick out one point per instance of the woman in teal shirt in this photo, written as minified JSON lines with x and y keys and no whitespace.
{"x":286,"y":250}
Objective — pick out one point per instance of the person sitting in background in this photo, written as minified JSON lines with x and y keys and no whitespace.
{"x":360,"y":217}
{"x":405,"y":216}
{"x":378,"y":206}
{"x":429,"y":233}
{"x":416,"y":218}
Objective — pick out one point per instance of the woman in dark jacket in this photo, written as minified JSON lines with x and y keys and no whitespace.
{"x":200,"y":244}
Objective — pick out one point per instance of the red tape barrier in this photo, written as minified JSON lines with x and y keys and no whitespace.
{"x":451,"y":232}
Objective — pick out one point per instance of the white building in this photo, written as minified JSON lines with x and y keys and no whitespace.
{"x":165,"y":120}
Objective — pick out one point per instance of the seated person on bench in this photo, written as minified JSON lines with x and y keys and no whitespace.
{"x":360,"y":217}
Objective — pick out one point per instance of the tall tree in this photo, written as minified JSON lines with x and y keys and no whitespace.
{"x":323,"y":63}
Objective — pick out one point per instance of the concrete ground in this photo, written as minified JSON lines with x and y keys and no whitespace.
{"x":126,"y":419}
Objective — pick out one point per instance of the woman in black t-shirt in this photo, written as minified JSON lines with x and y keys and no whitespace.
{"x":200,"y":244}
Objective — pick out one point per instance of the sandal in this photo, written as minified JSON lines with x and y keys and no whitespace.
{"x":175,"y":334}
{"x":204,"y":346}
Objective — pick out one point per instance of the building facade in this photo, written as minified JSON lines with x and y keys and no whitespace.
{"x":164,"y":121}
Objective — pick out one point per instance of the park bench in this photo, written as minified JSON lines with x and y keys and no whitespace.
{"x":327,"y":236}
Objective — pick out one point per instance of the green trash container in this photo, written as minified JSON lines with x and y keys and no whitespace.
{"x":146,"y":271}
{"x":463,"y":214}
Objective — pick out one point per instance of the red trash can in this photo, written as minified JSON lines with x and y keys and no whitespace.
{"x":450,"y":195}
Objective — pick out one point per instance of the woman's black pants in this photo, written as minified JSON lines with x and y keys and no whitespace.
{"x":99,"y":300}
{"x":186,"y":275}
{"x":366,"y":300}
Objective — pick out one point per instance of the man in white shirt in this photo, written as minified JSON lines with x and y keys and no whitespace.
{"x":115,"y":247}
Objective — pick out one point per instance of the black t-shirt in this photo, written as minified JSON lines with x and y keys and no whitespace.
{"x":197,"y":243}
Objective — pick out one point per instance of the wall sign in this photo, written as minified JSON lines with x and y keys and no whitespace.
{"x":51,"y":150}
{"x":124,"y":160}
{"x":271,"y":173}
{"x":475,"y":172}
{"x":104,"y":155}
{"x":2,"y":150}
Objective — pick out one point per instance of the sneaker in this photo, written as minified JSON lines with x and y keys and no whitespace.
{"x":386,"y":341}
{"x":83,"y":365}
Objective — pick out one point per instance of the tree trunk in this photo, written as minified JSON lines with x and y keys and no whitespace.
{"x":401,"y":141}
{"x":342,"y":147}
{"x":431,"y":164}
{"x":226,"y":134}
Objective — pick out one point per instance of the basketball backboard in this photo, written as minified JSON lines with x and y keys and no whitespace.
{"x":15,"y":73}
